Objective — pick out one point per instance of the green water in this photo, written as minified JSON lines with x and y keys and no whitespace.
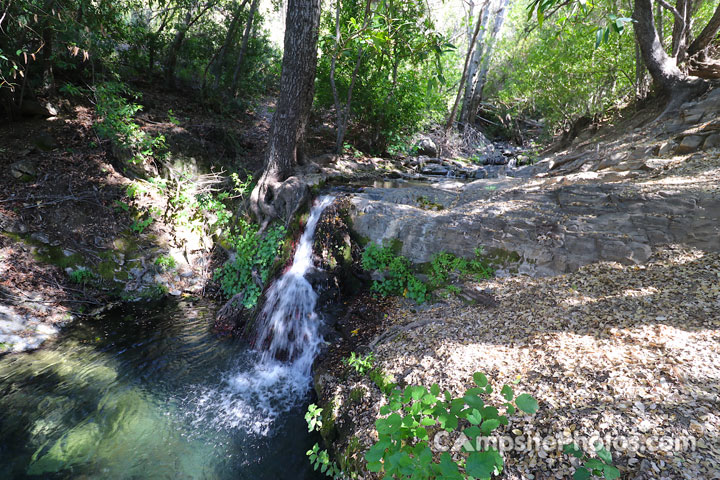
{"x":147,"y":394}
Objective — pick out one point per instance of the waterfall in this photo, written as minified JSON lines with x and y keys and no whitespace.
{"x":287,"y":327}
{"x":287,"y":334}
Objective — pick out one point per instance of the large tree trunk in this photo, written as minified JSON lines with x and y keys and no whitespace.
{"x":278,"y":194}
{"x":666,"y":75}
{"x":471,"y":45}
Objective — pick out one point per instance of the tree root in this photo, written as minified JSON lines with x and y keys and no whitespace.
{"x":272,"y":198}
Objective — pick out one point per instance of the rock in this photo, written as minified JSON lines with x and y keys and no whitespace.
{"x":713,"y":141}
{"x":40,"y":237}
{"x":325,"y":160}
{"x":435,"y":170}
{"x":44,"y":141}
{"x":23,"y":169}
{"x":666,"y":148}
{"x":426,"y":146}
{"x":689,"y":144}
{"x":613,"y":160}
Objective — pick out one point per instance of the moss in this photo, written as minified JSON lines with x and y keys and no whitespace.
{"x":106,"y":270}
{"x":357,"y":394}
{"x":328,"y":432}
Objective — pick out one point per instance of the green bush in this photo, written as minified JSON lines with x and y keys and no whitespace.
{"x":117,"y":122}
{"x":81,"y":276}
{"x":250,"y":266}
{"x":399,"y":279}
{"x":403,"y":451}
{"x":443,"y":264}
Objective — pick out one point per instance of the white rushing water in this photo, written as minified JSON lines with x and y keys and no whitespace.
{"x":288,"y":336}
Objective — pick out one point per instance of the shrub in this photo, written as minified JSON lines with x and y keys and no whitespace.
{"x":81,"y":276}
{"x":250,"y":266}
{"x":399,"y":280}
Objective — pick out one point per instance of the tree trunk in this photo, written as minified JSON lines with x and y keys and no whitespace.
{"x":474,"y":65}
{"x":217,"y":63}
{"x":174,"y":49}
{"x":707,"y":35}
{"x":243,"y":47}
{"x":277,"y":194}
{"x":471,"y":46}
{"x":482,"y":75}
{"x":663,"y":69}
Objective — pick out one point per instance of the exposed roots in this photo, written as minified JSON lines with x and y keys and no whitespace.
{"x":275,"y":199}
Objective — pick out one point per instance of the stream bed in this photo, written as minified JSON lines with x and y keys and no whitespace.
{"x":150,"y":393}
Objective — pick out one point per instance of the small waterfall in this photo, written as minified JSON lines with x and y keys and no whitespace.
{"x":287,"y":334}
{"x":287,"y":327}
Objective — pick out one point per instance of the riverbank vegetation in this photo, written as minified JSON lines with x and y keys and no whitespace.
{"x":158,"y":148}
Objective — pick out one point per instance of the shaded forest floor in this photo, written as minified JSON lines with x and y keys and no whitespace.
{"x":64,"y":202}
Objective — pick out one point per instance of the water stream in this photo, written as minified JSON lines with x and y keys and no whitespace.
{"x":154,"y":394}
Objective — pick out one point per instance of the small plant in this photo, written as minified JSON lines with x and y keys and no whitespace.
{"x":443,"y":264}
{"x":249,"y":269}
{"x":600,"y":467}
{"x":403,"y":451}
{"x":361,"y":365}
{"x":81,"y":276}
{"x":165,"y":262}
{"x":398,"y":280}
{"x":139,"y":226}
{"x":121,"y":206}
{"x":173,"y":119}
{"x":135,"y":190}
{"x":427,"y":204}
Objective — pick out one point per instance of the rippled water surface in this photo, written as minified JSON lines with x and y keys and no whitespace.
{"x":149,"y":394}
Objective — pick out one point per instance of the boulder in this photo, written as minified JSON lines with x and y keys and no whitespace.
{"x":23,"y":169}
{"x":713,"y":141}
{"x":426,"y":146}
{"x":689,"y":144}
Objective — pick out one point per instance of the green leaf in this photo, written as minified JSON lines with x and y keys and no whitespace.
{"x":489,"y":425}
{"x":480,"y":379}
{"x":526,"y":403}
{"x":572,"y":449}
{"x":611,"y":473}
{"x":507,"y":393}
{"x":480,"y":465}
{"x":604,"y":454}
{"x":581,"y":474}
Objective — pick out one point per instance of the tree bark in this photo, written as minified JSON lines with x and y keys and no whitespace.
{"x":707,"y":35}
{"x":482,"y":75}
{"x":471,"y":46}
{"x":243,"y":47}
{"x":474,"y":66}
{"x":663,"y":69}
{"x":217,"y":63}
{"x":278,"y":194}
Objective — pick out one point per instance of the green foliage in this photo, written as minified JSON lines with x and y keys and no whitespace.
{"x":81,"y":276}
{"x":117,"y":122}
{"x":249,"y":268}
{"x":403,"y":451}
{"x":443,"y":264}
{"x":361,"y":365}
{"x":600,"y":467}
{"x":401,"y":72}
{"x":398,"y":278}
{"x":139,"y":226}
{"x":165,"y":262}
{"x":313,"y":417}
